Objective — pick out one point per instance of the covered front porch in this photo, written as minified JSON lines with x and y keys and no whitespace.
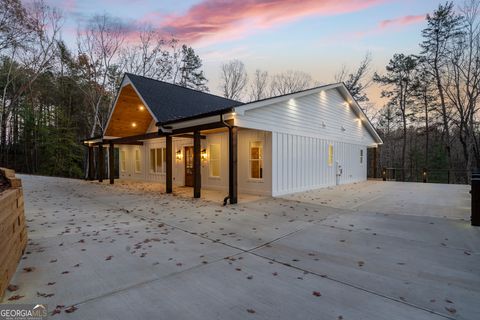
{"x":180,"y":147}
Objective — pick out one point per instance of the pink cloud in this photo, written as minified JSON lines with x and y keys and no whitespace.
{"x":388,"y":25}
{"x":401,"y":21}
{"x":229,"y":19}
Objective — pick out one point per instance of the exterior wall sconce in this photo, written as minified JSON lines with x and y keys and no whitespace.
{"x":178,"y":155}
{"x":203,"y":154}
{"x":342,"y":128}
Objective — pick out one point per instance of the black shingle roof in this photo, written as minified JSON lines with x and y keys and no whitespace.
{"x":170,"y":102}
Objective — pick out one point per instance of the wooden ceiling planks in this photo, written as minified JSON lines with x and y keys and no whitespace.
{"x":130,"y":117}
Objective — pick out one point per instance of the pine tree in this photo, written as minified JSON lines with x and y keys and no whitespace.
{"x":191,"y":74}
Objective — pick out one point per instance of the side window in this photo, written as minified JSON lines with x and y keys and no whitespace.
{"x":158,"y":158}
{"x":256,"y":160}
{"x":138,"y":165}
{"x":330,"y":155}
{"x":361,"y":156}
{"x":214,"y":160}
{"x":123,"y":161}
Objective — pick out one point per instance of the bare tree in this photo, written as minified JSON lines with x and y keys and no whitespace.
{"x":15,"y":24}
{"x":99,"y":43}
{"x":290,"y":81}
{"x":233,"y":77}
{"x":463,"y":83}
{"x":359,"y":80}
{"x":150,"y":57}
{"x":35,"y":55}
{"x":259,"y":85}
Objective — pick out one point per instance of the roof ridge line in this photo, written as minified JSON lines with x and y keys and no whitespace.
{"x":179,"y":86}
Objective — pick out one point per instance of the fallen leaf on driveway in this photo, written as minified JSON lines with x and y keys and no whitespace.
{"x":55,"y":311}
{"x":316,"y":293}
{"x":65,"y":272}
{"x":12,"y":288}
{"x":28,"y":269}
{"x":361,"y":263}
{"x":71,"y":309}
{"x":51,"y":283}
{"x":46,"y":295}
{"x":109,"y":258}
{"x":250,"y":311}
{"x":451,"y":310}
{"x":15,"y":297}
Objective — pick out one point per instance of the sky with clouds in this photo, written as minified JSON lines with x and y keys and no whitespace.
{"x":314,"y":36}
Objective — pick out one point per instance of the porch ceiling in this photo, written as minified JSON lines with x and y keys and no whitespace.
{"x":130,"y":116}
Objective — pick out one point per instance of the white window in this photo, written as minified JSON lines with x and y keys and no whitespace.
{"x":123,"y":161}
{"x":330,"y":155}
{"x":256,"y":160}
{"x":361,"y":156}
{"x":214,"y":164}
{"x":158,"y":160}
{"x":138,"y":165}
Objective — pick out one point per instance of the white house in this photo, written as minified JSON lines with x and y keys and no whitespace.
{"x":295,"y":142}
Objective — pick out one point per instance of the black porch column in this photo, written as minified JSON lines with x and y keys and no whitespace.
{"x":375,"y":162}
{"x":101,"y":163}
{"x":111,"y":162}
{"x":91,"y":169}
{"x":197,"y":178}
{"x":169,"y":176}
{"x":232,"y":164}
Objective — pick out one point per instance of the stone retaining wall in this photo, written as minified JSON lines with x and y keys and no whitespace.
{"x":13,"y":232}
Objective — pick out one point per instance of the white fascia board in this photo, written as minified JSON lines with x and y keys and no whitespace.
{"x":359,"y":111}
{"x":126,"y":81}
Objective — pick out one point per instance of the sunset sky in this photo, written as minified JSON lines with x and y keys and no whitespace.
{"x":315,"y":36}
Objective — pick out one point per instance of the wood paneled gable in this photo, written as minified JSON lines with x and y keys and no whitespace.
{"x":130,"y":116}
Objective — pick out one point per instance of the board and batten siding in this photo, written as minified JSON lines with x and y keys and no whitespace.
{"x":302,"y":130}
{"x":245,"y":184}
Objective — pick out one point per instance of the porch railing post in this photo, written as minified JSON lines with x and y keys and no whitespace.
{"x":475,"y":205}
{"x":197,"y":178}
{"x":91,"y":169}
{"x":111,"y":163}
{"x":101,"y":163}
{"x":169,"y":171}
{"x":232,"y":164}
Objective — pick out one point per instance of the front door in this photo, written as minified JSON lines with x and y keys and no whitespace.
{"x":188,"y":166}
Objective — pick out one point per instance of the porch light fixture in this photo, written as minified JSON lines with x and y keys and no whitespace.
{"x":134,"y":124}
{"x":178,"y":155}
{"x":203,"y":154}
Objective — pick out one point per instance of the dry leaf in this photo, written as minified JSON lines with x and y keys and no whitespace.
{"x":12,"y":288}
{"x":250,"y":311}
{"x":15,"y":297}
{"x":70,"y":309}
{"x":451,"y":310}
{"x":316,"y":293}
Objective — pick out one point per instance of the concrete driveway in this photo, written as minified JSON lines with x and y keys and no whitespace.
{"x":130,"y":252}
